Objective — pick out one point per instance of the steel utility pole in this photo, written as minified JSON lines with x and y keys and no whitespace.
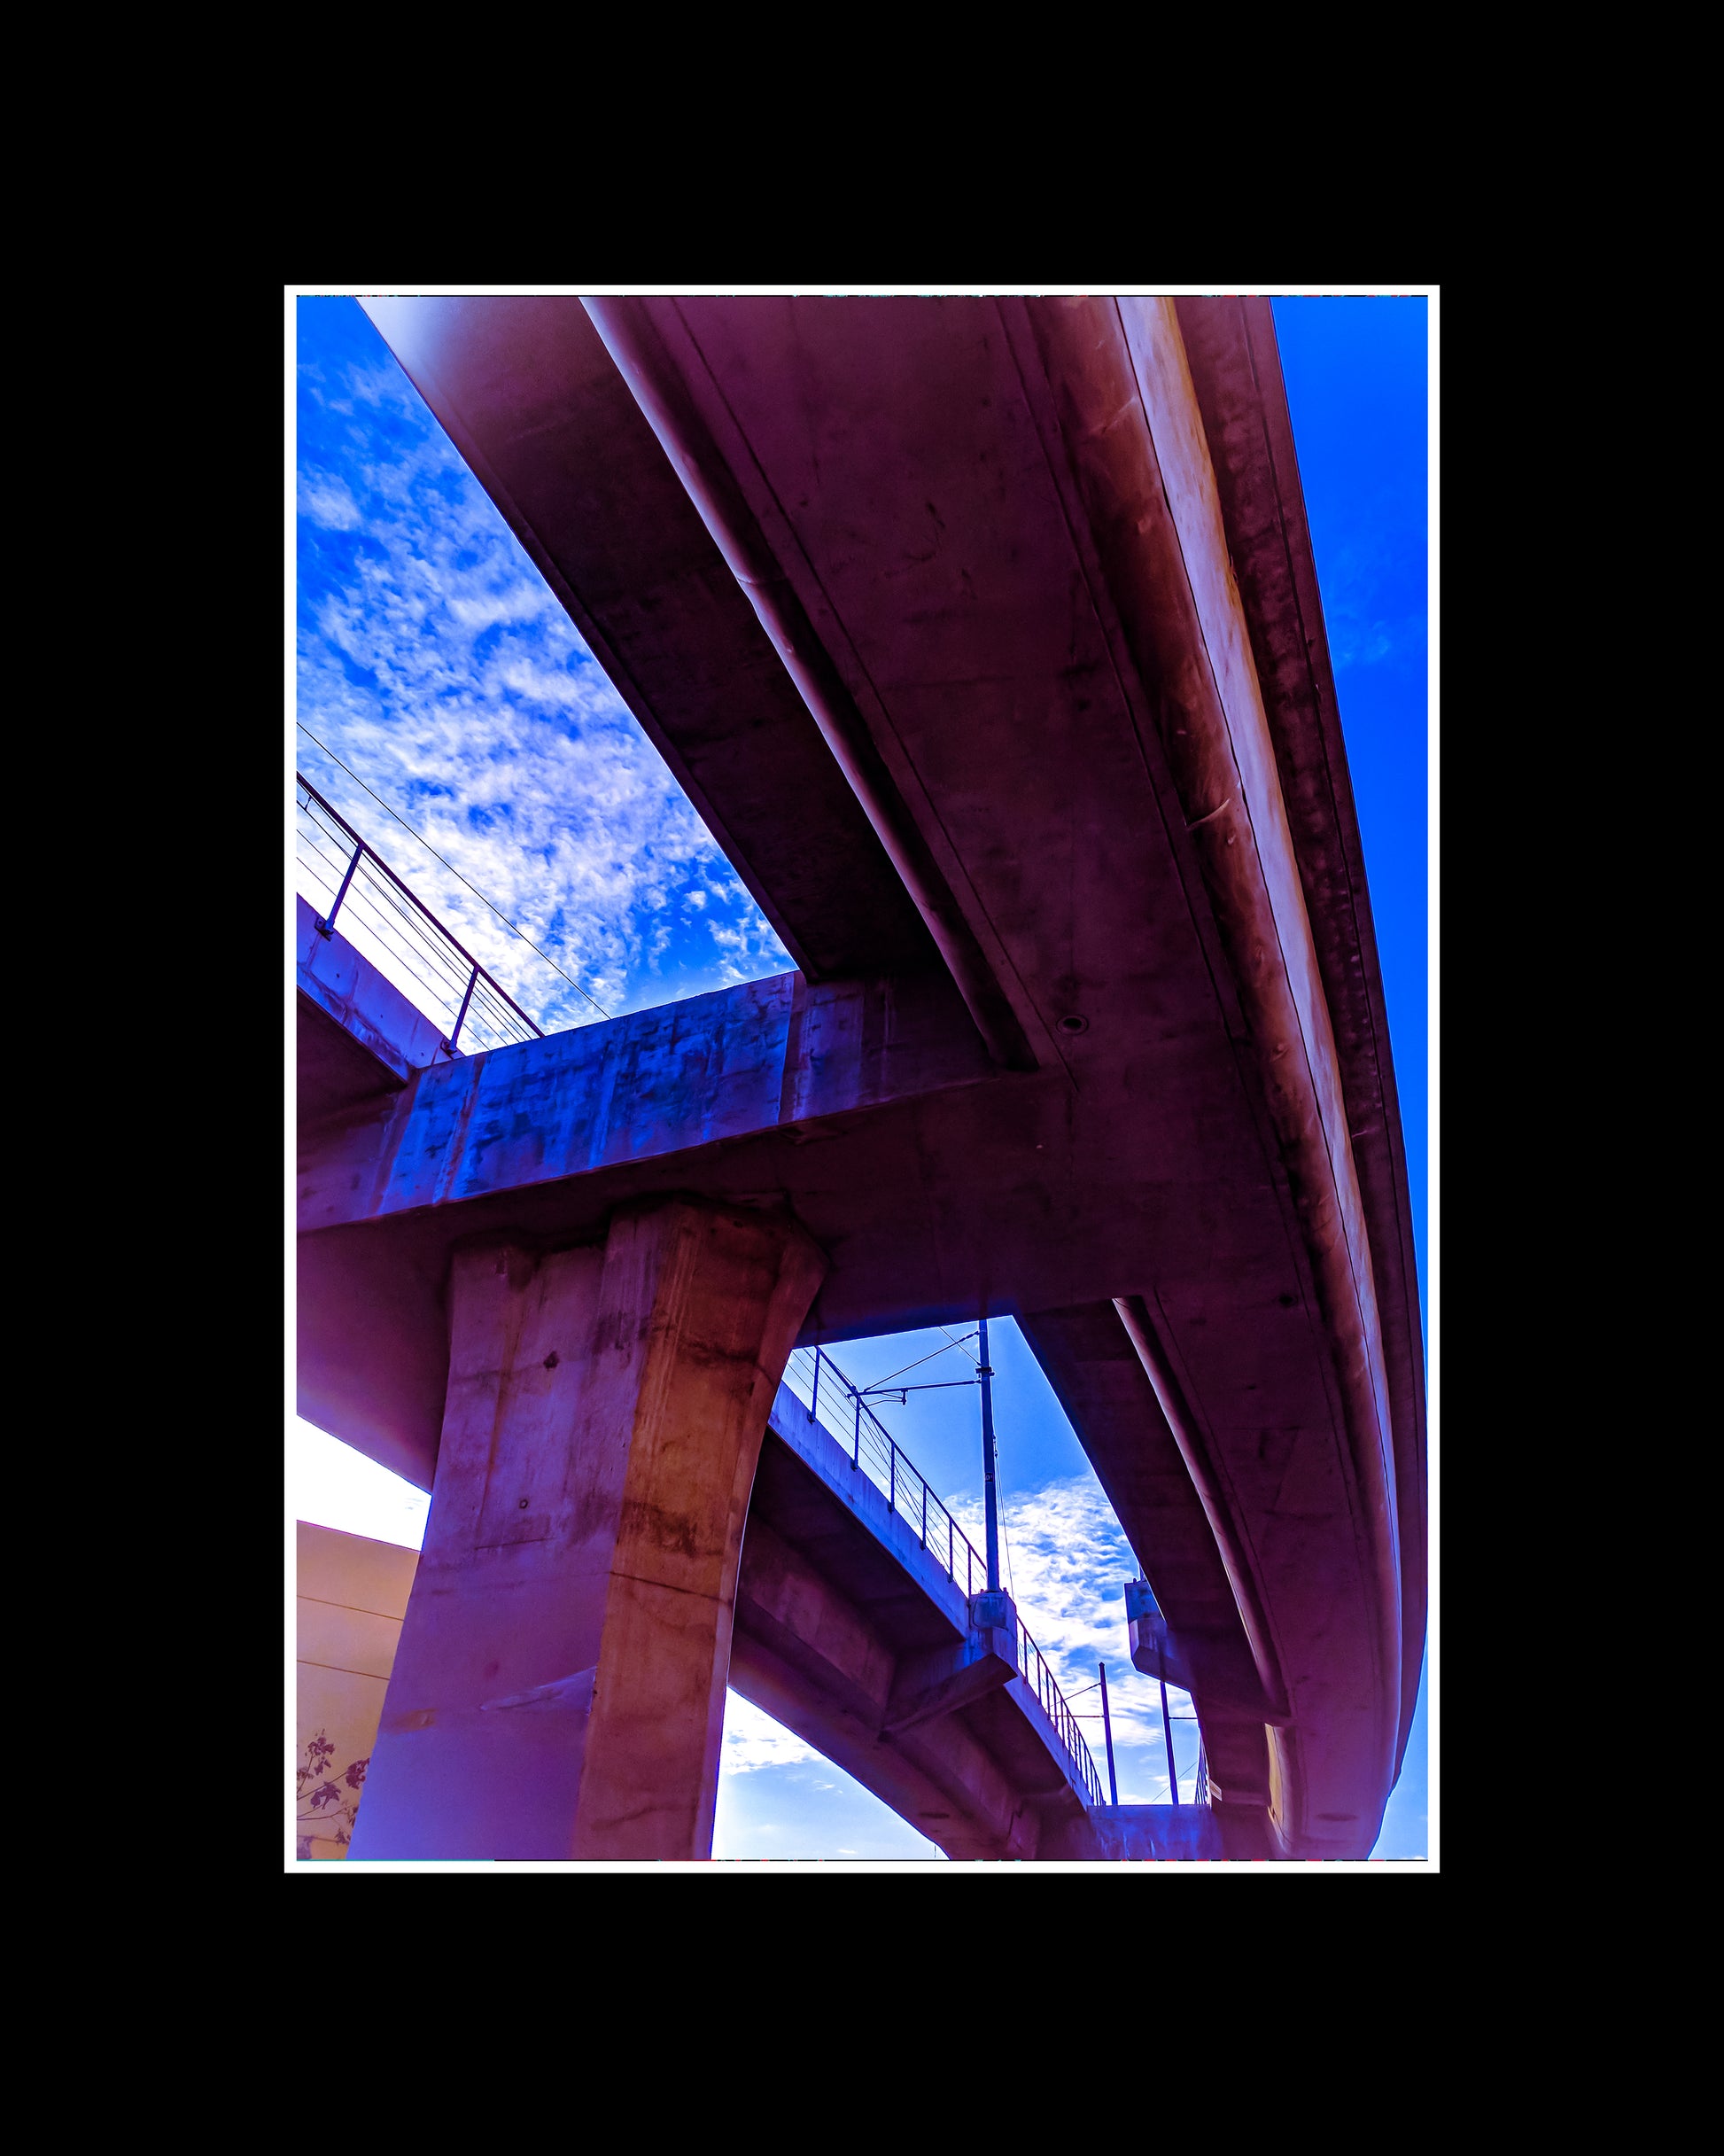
{"x":987,"y":1376}
{"x":1108,"y":1731}
{"x":1167,"y":1733}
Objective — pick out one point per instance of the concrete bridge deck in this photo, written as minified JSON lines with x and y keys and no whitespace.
{"x":986,"y":638}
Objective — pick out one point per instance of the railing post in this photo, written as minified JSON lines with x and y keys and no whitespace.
{"x":814,"y":1409}
{"x":1167,"y":1738}
{"x":461,"y":1015}
{"x":985,"y":1373}
{"x":326,"y":926}
{"x":924,"y":1536}
{"x":892,"y":1476}
{"x":949,"y":1547}
{"x":856,"y":1456}
{"x":1108,"y":1731}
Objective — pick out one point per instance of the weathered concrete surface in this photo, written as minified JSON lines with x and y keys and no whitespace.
{"x":1163,"y":1833}
{"x":547,"y":1137}
{"x":1027,"y":650}
{"x":559,"y":1688}
{"x":679,"y":1077}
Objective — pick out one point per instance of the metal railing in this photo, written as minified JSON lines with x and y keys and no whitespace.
{"x":1040,"y":1679}
{"x":849,"y":1418}
{"x":844,"y":1413}
{"x":406,"y":939}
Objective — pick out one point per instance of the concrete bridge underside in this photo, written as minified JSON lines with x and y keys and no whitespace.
{"x":985,"y":636}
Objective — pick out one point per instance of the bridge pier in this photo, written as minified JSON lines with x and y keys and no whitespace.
{"x":559,"y":1688}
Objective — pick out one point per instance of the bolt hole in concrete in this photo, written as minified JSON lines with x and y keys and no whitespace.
{"x":1073,"y":1023}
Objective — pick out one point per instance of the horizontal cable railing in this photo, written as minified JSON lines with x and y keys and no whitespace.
{"x":399,"y":933}
{"x":842,"y":1410}
{"x":1032,"y":1662}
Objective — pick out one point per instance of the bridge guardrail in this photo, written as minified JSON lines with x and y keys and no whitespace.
{"x":359,"y":888}
{"x":819,"y":1384}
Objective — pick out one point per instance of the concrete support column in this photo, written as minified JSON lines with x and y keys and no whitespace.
{"x":559,"y":1688}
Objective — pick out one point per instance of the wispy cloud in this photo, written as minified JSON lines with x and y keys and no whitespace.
{"x":1365,"y":594}
{"x":1066,"y":1561}
{"x":753,"y":1740}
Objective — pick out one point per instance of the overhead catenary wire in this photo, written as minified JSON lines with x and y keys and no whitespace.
{"x":453,"y":870}
{"x":367,"y":890}
{"x":880,"y":1382}
{"x":402,"y":933}
{"x":963,"y":1344}
{"x":385,"y":898}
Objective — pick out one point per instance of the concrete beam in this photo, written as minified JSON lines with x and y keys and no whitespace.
{"x":737,"y":1063}
{"x":940,"y":1680}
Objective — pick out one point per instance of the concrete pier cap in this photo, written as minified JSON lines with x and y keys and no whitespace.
{"x":559,"y":1688}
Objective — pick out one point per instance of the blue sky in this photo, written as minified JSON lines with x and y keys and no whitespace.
{"x":434,"y":662}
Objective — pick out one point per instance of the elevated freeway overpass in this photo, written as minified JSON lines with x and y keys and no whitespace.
{"x":985,"y":636}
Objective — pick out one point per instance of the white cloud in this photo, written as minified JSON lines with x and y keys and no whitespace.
{"x":1068,"y":1563}
{"x":754,"y":1740}
{"x":328,"y":503}
{"x":1361,"y":634}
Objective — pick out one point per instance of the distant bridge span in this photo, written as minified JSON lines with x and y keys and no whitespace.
{"x":986,"y":637}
